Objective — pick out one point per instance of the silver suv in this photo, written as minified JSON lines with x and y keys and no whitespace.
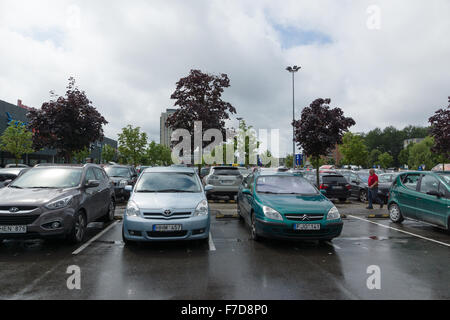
{"x":223,"y":181}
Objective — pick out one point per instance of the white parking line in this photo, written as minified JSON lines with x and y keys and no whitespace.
{"x":212,"y":247}
{"x":84,"y":246}
{"x":403,"y":231}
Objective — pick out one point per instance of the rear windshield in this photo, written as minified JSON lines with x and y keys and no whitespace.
{"x":334,"y":179}
{"x":285,"y":185}
{"x":226,"y":171}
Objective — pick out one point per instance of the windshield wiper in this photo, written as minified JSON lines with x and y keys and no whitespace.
{"x":146,"y":191}
{"x":173,"y":190}
{"x":17,"y":187}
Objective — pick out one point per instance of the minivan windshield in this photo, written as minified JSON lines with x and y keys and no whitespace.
{"x":168,"y":182}
{"x":49,"y":178}
{"x":118,"y":172}
{"x":284,"y":185}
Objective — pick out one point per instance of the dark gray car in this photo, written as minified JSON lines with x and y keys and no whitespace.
{"x":56,"y":201}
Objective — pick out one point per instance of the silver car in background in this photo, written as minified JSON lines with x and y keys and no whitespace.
{"x":224,"y":181}
{"x":167,"y":203}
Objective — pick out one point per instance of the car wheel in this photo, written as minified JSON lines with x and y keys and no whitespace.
{"x":126,"y":241}
{"x":78,"y":231}
{"x":363,"y":196}
{"x":254,"y":235}
{"x":394,"y":213}
{"x":109,"y":216}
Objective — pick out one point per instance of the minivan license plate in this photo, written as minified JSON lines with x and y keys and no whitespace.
{"x":167,"y":227}
{"x":309,"y":226}
{"x":13,"y":229}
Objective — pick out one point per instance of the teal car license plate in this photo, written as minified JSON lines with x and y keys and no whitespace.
{"x":307,"y":226}
{"x":167,"y":227}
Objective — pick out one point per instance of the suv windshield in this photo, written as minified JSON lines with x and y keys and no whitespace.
{"x":284,"y":185}
{"x":49,"y":178}
{"x":168,"y":182}
{"x":118,"y":172}
{"x":226,"y":172}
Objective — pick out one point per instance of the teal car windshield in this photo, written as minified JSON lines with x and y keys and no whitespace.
{"x":284,"y":185}
{"x":445,"y":176}
{"x":168,"y":182}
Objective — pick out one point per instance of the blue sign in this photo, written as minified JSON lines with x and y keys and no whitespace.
{"x":259,"y":160}
{"x":298,"y":159}
{"x":10,"y":120}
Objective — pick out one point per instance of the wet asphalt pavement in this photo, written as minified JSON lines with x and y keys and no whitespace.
{"x":414,"y":264}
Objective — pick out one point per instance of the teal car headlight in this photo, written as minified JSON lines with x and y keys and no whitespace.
{"x":202,"y":209}
{"x":60,"y":203}
{"x":272,"y":213}
{"x":333,"y":214}
{"x":132,"y":209}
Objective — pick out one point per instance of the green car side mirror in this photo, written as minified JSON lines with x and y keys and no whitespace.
{"x":246,"y":191}
{"x":323,"y":191}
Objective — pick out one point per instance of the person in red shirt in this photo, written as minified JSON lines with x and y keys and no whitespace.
{"x":373,"y":190}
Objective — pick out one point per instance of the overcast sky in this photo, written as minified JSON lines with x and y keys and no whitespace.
{"x":383,"y":62}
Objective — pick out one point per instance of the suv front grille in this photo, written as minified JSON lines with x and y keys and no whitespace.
{"x":17,"y":220}
{"x":21,"y":208}
{"x":299,"y":217}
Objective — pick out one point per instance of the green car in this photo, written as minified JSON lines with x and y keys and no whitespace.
{"x":285,"y":205}
{"x":421,"y":195}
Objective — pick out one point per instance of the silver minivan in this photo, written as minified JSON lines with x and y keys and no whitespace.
{"x":167,"y":203}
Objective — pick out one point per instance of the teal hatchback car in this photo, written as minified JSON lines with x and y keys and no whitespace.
{"x":285,"y":205}
{"x":421,"y":195}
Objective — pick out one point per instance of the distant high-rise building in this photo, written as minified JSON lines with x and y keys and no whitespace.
{"x":165,"y":132}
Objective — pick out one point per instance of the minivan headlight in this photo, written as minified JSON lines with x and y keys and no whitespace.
{"x":202,"y":209}
{"x":60,"y":203}
{"x":333,"y":214}
{"x":272,"y":213}
{"x":132,"y":209}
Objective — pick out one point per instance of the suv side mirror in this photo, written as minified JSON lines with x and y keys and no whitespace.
{"x":6,"y":182}
{"x":92,"y":184}
{"x":208,"y":187}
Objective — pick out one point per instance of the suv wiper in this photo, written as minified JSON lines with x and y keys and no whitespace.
{"x":173,"y":190}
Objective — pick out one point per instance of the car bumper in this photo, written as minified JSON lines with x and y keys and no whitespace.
{"x":283,"y":230}
{"x":191,"y":229}
{"x":338,"y":194}
{"x":37,"y":228}
{"x":223,"y":189}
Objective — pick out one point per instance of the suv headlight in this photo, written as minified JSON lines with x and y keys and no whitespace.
{"x":271,"y":213}
{"x":202,"y":209}
{"x":123,"y":183}
{"x":132,"y":209}
{"x":333,"y":214}
{"x":60,"y":203}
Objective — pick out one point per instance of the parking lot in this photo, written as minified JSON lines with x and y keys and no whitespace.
{"x":412,"y":258}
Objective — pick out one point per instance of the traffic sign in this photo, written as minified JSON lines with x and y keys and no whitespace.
{"x":298,"y":159}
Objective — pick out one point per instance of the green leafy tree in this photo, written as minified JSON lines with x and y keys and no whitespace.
{"x":385,"y":160}
{"x":17,"y":140}
{"x":353,"y":149}
{"x":246,"y":136}
{"x":108,"y":153}
{"x":158,"y":155}
{"x":81,"y":155}
{"x":404,"y":155}
{"x":421,"y":154}
{"x":440,"y":131}
{"x":288,"y":161}
{"x":132,"y":144}
{"x":373,"y":158}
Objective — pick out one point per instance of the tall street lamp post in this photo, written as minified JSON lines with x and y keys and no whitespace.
{"x":293,"y":70}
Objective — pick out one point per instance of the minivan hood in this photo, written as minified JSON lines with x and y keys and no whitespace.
{"x":179,"y":200}
{"x":36,"y":196}
{"x":295,"y":203}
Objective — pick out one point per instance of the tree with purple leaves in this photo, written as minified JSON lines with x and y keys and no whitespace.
{"x":68,"y":124}
{"x":199,"y":98}
{"x":320,"y":129}
{"x":440,"y":131}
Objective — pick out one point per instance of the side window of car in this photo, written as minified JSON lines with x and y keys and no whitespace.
{"x":90,"y":175}
{"x":429,"y":183}
{"x":410,"y":181}
{"x":99,"y":174}
{"x":250,"y":181}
